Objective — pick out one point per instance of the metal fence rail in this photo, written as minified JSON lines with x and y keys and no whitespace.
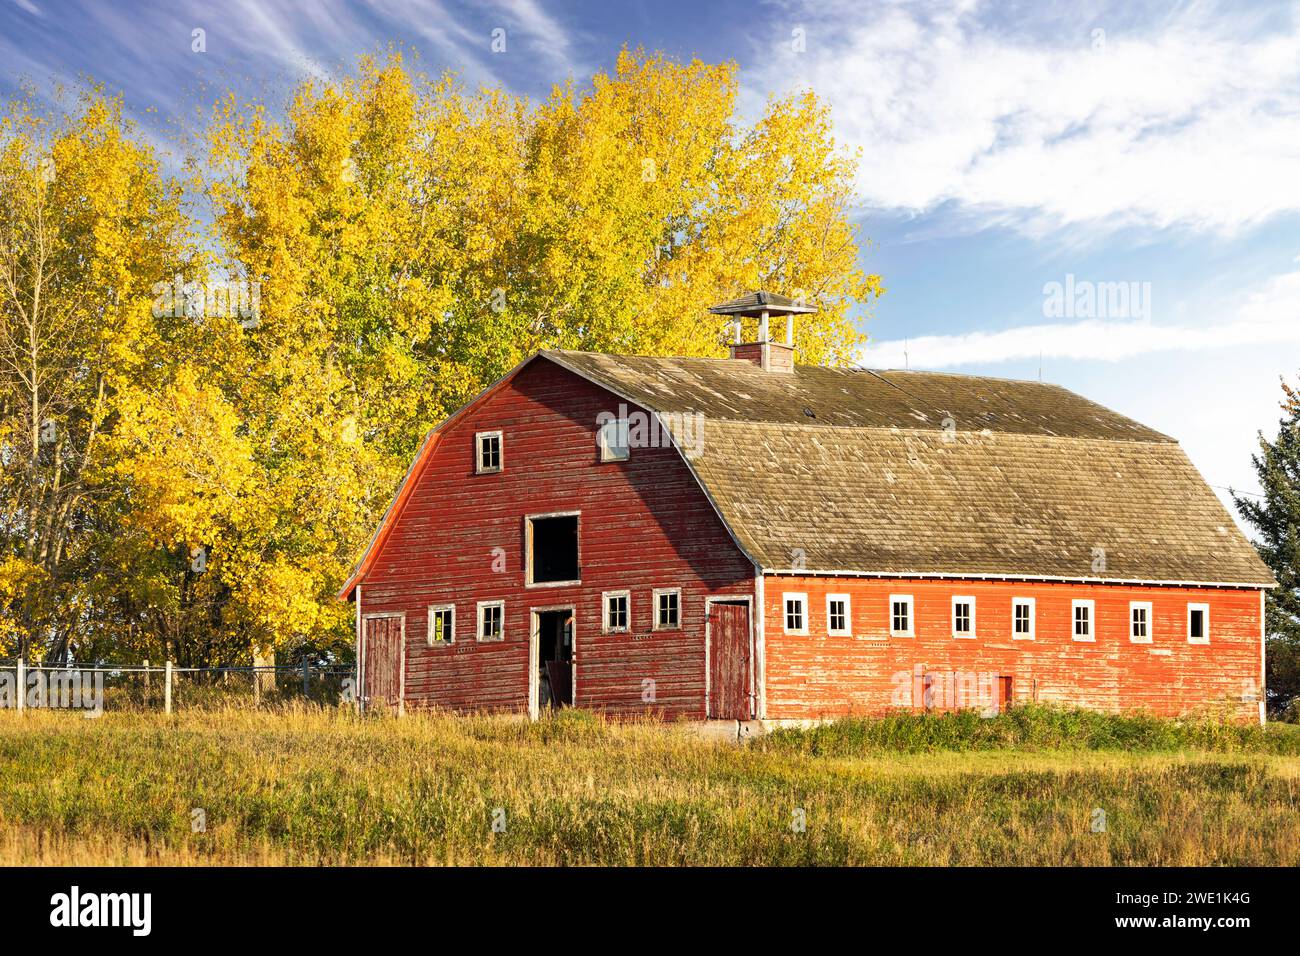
{"x":100,"y":686}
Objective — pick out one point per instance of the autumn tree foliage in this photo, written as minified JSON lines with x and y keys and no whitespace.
{"x":409,"y":240}
{"x":87,"y":224}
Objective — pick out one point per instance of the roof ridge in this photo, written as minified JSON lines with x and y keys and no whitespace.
{"x":930,"y":430}
{"x":880,"y":373}
{"x":738,"y":390}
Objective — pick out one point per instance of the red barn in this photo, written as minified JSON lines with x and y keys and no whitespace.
{"x":751,"y":539}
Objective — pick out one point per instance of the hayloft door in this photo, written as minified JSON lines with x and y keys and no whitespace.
{"x":381,"y":661}
{"x":730,"y":662}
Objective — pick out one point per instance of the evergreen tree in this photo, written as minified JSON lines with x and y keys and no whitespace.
{"x":1276,"y":519}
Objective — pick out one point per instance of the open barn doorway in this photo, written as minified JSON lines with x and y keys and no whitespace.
{"x":551,"y":657}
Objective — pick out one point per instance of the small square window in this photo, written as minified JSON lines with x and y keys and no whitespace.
{"x":487,"y":452}
{"x":618,"y":612}
{"x":1083,"y":613}
{"x":611,"y":436}
{"x":491,"y":620}
{"x":1139,"y":622}
{"x":796,"y":613}
{"x":963,"y":617}
{"x":900,"y":616}
{"x":442,"y":624}
{"x":839,"y":618}
{"x":1022,"y":619}
{"x":668,"y":609}
{"x":1198,"y":624}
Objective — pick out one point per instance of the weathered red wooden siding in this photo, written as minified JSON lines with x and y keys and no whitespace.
{"x":818,"y":675}
{"x":645,"y":524}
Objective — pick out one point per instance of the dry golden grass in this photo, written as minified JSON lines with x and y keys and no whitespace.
{"x":325,"y":787}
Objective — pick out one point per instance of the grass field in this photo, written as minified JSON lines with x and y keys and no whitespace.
{"x":327,"y":787}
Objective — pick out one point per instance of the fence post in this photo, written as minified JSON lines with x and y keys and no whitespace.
{"x":22,"y":683}
{"x":146,"y":682}
{"x":257,"y":685}
{"x":167,"y":690}
{"x":306,"y":677}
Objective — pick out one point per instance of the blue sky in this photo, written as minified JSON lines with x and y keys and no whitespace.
{"x":1148,"y":153}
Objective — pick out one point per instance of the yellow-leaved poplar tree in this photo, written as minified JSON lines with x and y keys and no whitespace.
{"x":87,"y":225}
{"x":215,"y":472}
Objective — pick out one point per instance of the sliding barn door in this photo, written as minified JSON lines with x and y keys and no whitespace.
{"x":381,"y":681}
{"x":730,"y":662}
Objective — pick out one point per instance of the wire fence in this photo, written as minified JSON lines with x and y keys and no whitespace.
{"x":167,"y":687}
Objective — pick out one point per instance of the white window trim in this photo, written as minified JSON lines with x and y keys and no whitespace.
{"x":478,"y":453}
{"x":528,"y":550}
{"x":1205,"y":622}
{"x":605,"y":627}
{"x":802,"y":597}
{"x":1140,"y":605}
{"x":952,"y":618}
{"x":1091,"y":605}
{"x":1032,"y":604}
{"x":847,"y":631}
{"x":478,"y":625}
{"x":911,"y":615}
{"x":654,"y":609}
{"x":603,"y":445}
{"x":428,"y":634}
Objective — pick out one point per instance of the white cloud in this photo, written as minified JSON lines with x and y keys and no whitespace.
{"x":1190,"y":121}
{"x":548,"y":36}
{"x":1269,"y":315}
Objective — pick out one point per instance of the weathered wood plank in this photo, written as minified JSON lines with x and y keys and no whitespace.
{"x":645,"y":524}
{"x":818,"y":675}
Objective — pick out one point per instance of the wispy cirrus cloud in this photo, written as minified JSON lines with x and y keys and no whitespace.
{"x":1268,"y":315}
{"x":1106,"y":116}
{"x":265,"y":46}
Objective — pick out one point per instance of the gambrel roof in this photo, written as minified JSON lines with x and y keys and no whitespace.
{"x":915,"y":474}
{"x":920,"y":473}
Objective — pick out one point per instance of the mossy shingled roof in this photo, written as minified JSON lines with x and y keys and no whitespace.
{"x":894,"y":472}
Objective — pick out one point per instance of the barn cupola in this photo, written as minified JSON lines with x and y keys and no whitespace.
{"x":764,"y":306}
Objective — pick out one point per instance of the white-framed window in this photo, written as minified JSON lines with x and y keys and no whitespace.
{"x":963,"y":616}
{"x":1139,"y":622}
{"x":611,"y":437}
{"x":442,"y":624}
{"x":667,"y":608}
{"x":839,"y":615}
{"x":795,"y":607}
{"x":1198,"y":624}
{"x":1022,"y":618}
{"x":902,"y":620}
{"x":617,"y":614}
{"x":488,"y":453}
{"x":1082,"y":615}
{"x":491,"y":620}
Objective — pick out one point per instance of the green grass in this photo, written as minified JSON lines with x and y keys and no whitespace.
{"x":310,"y":786}
{"x":1035,"y":727}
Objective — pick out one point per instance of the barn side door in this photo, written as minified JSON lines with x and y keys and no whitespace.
{"x":731,"y":676}
{"x":1004,"y":694}
{"x":381,"y":662}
